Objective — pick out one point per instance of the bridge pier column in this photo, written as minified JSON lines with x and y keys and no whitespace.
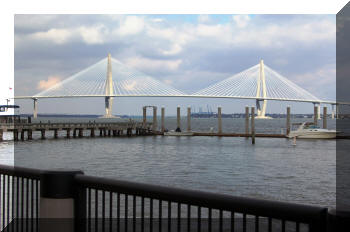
{"x":288,"y":121}
{"x":219,"y":121}
{"x":55,"y":133}
{"x":246,"y":120}
{"x":92,"y":132}
{"x":253,"y":124}
{"x":325,"y":117}
{"x":1,"y":134}
{"x":109,"y":133}
{"x":74,"y":133}
{"x":154,"y":118}
{"x":333,"y":114}
{"x":178,"y":118}
{"x":81,"y":133}
{"x":189,"y":118}
{"x":318,"y":111}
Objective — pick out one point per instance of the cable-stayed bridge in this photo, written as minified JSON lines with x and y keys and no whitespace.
{"x":110,"y":78}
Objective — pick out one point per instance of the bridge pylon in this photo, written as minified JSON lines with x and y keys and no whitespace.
{"x":109,"y":90}
{"x":261,"y":93}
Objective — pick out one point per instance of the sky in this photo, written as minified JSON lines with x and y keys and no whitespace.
{"x":188,"y":52}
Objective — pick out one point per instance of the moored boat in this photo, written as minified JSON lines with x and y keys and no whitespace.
{"x":308,"y":130}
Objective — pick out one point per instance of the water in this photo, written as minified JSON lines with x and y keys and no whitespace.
{"x":271,"y":169}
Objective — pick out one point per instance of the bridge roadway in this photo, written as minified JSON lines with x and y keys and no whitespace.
{"x":75,"y":129}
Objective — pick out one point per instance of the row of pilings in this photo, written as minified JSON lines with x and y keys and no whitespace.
{"x":250,"y":116}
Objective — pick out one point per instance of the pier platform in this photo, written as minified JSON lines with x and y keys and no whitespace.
{"x":25,"y":130}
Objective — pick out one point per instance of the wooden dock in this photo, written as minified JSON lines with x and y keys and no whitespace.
{"x":238,"y":135}
{"x":25,"y":130}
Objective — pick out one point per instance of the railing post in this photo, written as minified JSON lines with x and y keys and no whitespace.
{"x":62,"y":203}
{"x":338,"y":221}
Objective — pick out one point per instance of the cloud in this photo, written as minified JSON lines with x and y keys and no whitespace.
{"x":146,"y":64}
{"x":204,"y":18}
{"x":241,"y":20}
{"x":58,"y":36}
{"x":46,"y":84}
{"x":131,"y":25}
{"x":93,"y":35}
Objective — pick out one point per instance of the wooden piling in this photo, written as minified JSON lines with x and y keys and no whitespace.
{"x":253,"y":124}
{"x":315,"y":115}
{"x":219,"y":121}
{"x":288,"y":121}
{"x":30,"y":134}
{"x":178,"y":118}
{"x":74,"y":133}
{"x":22,"y":135}
{"x":1,"y":135}
{"x":154,"y":126}
{"x":325,"y":117}
{"x":15,"y":135}
{"x":92,"y":132}
{"x":162,"y":119}
{"x":189,"y":118}
{"x":43,"y":134}
{"x":144,"y":113}
{"x":55,"y":133}
{"x":68,"y":133}
{"x":109,"y":133}
{"x":246,"y":120}
{"x":80,"y":132}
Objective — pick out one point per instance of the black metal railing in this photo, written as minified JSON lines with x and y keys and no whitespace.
{"x":102,"y":204}
{"x":19,"y":194}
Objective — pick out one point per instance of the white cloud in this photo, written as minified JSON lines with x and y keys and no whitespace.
{"x":241,"y":20}
{"x":146,"y":64}
{"x":93,"y":35}
{"x":58,"y":36}
{"x":131,"y":25}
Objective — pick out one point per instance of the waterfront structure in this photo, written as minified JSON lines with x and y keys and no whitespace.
{"x":260,"y":83}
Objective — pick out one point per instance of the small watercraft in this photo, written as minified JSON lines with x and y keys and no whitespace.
{"x":178,"y":132}
{"x":307,"y":130}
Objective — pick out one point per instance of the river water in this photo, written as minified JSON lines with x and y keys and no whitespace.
{"x":273,"y":168}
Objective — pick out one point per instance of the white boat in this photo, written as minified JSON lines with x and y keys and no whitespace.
{"x":308,"y":130}
{"x":175,"y":133}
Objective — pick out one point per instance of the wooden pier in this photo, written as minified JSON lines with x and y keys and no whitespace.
{"x":25,"y":130}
